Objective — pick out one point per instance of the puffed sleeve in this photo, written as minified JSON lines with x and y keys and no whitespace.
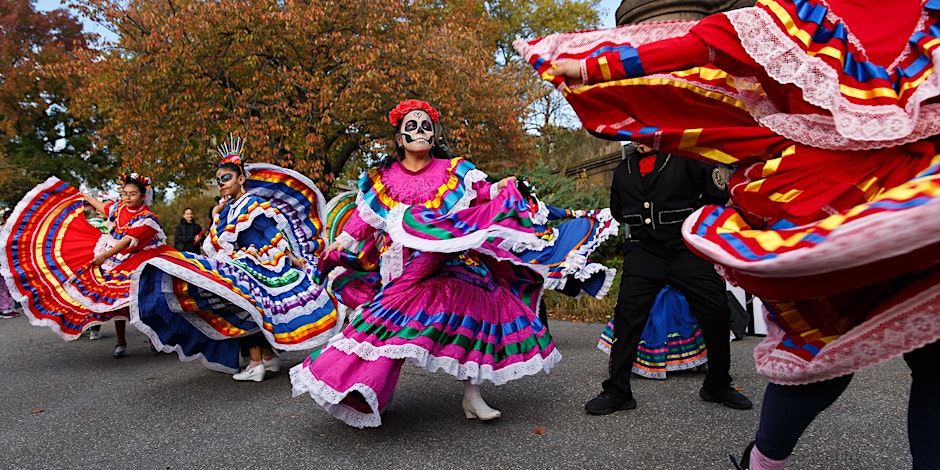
{"x":141,"y":233}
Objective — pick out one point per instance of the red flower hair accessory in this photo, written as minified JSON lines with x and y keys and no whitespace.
{"x":134,"y":177}
{"x":142,"y":180}
{"x":407,"y":106}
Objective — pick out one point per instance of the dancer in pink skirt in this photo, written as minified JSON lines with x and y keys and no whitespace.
{"x":449,"y":297}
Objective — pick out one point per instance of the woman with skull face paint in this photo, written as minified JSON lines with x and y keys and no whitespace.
{"x":449,"y":298}
{"x":251,"y":293}
{"x":85,"y":276}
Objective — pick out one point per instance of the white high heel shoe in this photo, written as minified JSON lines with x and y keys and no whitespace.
{"x":475,"y":408}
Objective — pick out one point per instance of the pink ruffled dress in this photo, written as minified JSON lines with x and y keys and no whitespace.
{"x":449,"y":299}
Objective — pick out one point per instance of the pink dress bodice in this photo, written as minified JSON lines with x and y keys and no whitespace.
{"x":415,"y":187}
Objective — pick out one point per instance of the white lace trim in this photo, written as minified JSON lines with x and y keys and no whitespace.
{"x":578,"y":259}
{"x":472,"y":371}
{"x":227,"y":240}
{"x":609,"y":274}
{"x":512,"y":244}
{"x":302,"y":381}
{"x":203,"y":282}
{"x":579,"y":42}
{"x":853,"y":126}
{"x":393,"y":263}
{"x":856,"y":127}
{"x":367,"y":214}
{"x":347,"y":241}
{"x":903,"y":328}
{"x":472,"y":177}
{"x":540,"y":216}
{"x":556,"y":283}
{"x":105,"y":242}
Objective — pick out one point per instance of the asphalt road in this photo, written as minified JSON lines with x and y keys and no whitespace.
{"x":71,"y":405}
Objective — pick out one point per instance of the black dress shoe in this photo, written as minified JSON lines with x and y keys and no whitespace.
{"x":745,"y":458}
{"x":607,"y":402}
{"x":728,"y":397}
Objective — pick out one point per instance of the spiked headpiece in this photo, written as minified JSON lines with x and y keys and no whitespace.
{"x":231,"y":150}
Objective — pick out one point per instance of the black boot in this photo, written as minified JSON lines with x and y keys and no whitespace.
{"x":745,"y":458}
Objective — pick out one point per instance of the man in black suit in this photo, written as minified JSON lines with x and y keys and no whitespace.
{"x":653,"y":193}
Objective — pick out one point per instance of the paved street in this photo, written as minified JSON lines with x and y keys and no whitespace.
{"x":70,"y":405}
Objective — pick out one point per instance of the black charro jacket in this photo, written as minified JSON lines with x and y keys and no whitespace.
{"x":655,"y":207}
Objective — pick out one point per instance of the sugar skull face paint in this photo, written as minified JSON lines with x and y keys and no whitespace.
{"x":225,"y":178}
{"x":416,"y":133}
{"x":230,"y":183}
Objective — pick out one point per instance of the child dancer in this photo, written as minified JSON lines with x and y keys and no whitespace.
{"x":252,"y":292}
{"x":84,"y":277}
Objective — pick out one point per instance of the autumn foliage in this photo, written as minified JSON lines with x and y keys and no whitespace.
{"x":39,"y":135}
{"x":307,"y":83}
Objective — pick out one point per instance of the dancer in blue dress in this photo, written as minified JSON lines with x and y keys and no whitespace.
{"x":254,"y":291}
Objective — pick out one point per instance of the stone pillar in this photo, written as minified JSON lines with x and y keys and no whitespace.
{"x":639,"y":11}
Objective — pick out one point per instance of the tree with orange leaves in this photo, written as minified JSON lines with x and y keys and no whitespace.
{"x":39,"y":136}
{"x":307,"y":83}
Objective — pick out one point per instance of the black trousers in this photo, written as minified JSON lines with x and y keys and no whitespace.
{"x":787,"y":411}
{"x":647,"y":268}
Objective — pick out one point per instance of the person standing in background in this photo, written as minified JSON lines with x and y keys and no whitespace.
{"x":653,"y":192}
{"x":188,"y":233}
{"x":6,"y":300}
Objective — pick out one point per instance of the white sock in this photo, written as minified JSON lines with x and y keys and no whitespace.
{"x":471,"y":390}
